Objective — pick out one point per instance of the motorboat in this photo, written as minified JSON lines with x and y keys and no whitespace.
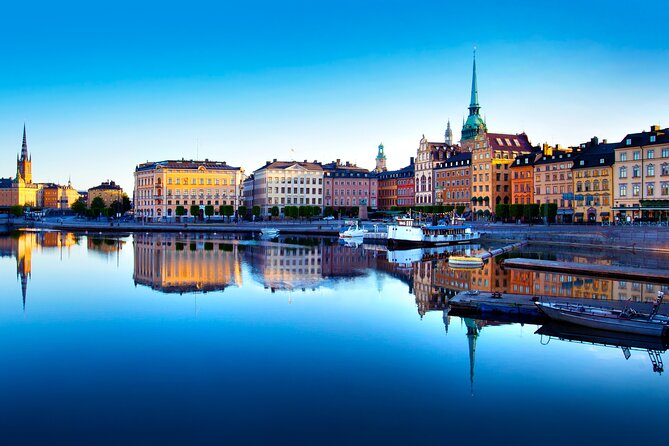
{"x":409,"y":231}
{"x":269,"y":232}
{"x":624,"y":320}
{"x":465,"y":262}
{"x":353,"y":231}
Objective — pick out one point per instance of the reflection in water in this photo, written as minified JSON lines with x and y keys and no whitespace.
{"x":186,"y":264}
{"x":653,"y":346}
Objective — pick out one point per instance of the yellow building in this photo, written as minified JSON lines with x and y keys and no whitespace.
{"x":20,"y":191}
{"x":185,"y":265}
{"x":161,"y":187}
{"x":593,"y":182}
{"x":108,"y":190}
{"x":55,"y":196}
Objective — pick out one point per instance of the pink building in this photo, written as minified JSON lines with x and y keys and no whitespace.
{"x":347,"y":185}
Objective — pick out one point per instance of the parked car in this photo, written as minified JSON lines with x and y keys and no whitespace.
{"x":328,"y":218}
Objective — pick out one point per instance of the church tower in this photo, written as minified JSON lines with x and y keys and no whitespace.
{"x":474,"y":124}
{"x":24,"y":164}
{"x":381,"y":160}
{"x":448,"y":135}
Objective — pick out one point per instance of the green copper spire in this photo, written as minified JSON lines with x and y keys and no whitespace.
{"x":474,"y":103}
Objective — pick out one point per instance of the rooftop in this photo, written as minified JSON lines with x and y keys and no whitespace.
{"x":185,"y":164}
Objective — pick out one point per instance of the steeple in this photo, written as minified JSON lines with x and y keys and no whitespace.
{"x":474,"y":102}
{"x":24,"y":163}
{"x":24,"y":146}
{"x":381,"y":160}
{"x":448,"y":136}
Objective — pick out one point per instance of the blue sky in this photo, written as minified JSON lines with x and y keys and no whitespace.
{"x":103,"y":87}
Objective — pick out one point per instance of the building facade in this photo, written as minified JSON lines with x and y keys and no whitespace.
{"x":108,"y":191}
{"x":522,"y":178}
{"x":287,"y":183}
{"x":428,"y":156}
{"x":164,"y":186}
{"x":56,"y":196}
{"x":396,"y":187}
{"x":553,"y":182}
{"x":452,"y":180}
{"x":641,"y":176}
{"x":348,"y":185}
{"x":593,"y":182}
{"x":20,"y":190}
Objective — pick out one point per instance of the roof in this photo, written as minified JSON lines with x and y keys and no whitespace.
{"x":656,"y":135}
{"x":186,"y":164}
{"x":407,"y":171}
{"x":596,"y":155}
{"x":344,"y":169}
{"x":457,"y":160}
{"x":315,"y":166}
{"x":556,"y":158}
{"x":508,"y":142}
{"x":526,"y":159}
{"x":107,"y":186}
{"x":5,"y":183}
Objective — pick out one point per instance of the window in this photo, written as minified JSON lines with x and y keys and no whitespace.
{"x":664,"y":169}
{"x":652,"y":138}
{"x":650,"y":189}
{"x":650,"y":170}
{"x":650,"y":154}
{"x":623,"y":172}
{"x":636,"y":172}
{"x":628,"y":141}
{"x":665,"y":152}
{"x":664,"y":189}
{"x":636,"y":189}
{"x":636,"y":155}
{"x":623,"y":190}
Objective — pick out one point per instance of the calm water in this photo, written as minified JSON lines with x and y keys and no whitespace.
{"x":162,"y":339}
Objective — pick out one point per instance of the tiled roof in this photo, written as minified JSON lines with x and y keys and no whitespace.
{"x":509,"y":142}
{"x":661,"y":136}
{"x":596,"y":155}
{"x":5,"y":183}
{"x":186,"y":164}
{"x":556,"y":158}
{"x":526,"y":159}
{"x":287,"y":164}
{"x":457,"y":160}
{"x":404,"y":172}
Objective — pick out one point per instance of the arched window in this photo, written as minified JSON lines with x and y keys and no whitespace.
{"x":587,"y":186}
{"x":595,"y":185}
{"x":605,"y":185}
{"x":579,"y":186}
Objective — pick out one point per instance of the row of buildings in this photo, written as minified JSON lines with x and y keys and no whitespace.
{"x":21,"y":190}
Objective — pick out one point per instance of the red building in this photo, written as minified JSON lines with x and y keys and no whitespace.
{"x":396,"y":187}
{"x":347,"y":185}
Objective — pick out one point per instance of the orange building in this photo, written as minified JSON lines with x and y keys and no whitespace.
{"x":452,"y":180}
{"x":522,"y":179}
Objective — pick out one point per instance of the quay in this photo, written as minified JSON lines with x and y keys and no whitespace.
{"x":522,"y":305}
{"x":593,"y":270}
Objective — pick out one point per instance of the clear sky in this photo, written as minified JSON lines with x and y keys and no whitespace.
{"x":103,"y":86}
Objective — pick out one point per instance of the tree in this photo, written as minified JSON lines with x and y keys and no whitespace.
{"x":255,"y":211}
{"x":315,"y":211}
{"x":125,"y":203}
{"x":195,"y":211}
{"x":328,"y":211}
{"x":274,"y":211}
{"x":79,"y":207}
{"x":227,"y":210}
{"x":530,"y":211}
{"x":548,"y":210}
{"x":98,"y":204}
{"x":16,"y":210}
{"x":502,"y":211}
{"x":459,"y":210}
{"x":180,"y":211}
{"x":447,"y":208}
{"x":242,"y":211}
{"x":208,"y":210}
{"x":517,"y":211}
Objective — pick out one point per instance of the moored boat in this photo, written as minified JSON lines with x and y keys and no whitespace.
{"x":625,"y":321}
{"x":269,"y":232}
{"x":409,"y":231}
{"x":465,"y":262}
{"x":353,"y":231}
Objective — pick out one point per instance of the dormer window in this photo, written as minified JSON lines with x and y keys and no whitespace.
{"x":628,"y":141}
{"x":581,"y":163}
{"x":652,"y":138}
{"x":601,"y":161}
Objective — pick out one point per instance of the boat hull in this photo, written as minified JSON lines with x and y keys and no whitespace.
{"x":610,"y":323}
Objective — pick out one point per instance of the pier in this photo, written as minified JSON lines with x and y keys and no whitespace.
{"x":593,"y":270}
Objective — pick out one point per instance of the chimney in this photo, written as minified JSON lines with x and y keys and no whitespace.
{"x":274,"y":160}
{"x":411,"y":161}
{"x":305,"y":161}
{"x":338,"y":161}
{"x":594,"y":141}
{"x":267,"y":163}
{"x":605,"y":141}
{"x":654,"y":128}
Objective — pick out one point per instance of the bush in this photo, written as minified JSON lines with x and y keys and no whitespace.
{"x":502,"y":211}
{"x":195,"y":210}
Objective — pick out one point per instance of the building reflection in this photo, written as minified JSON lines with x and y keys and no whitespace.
{"x":22,"y":244}
{"x":186,"y":264}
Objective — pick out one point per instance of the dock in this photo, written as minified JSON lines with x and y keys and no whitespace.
{"x":523,"y":304}
{"x":592,"y":270}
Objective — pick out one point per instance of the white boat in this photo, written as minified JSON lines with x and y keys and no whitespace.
{"x":353,"y":231}
{"x":625,"y":321}
{"x":465,"y":262}
{"x":269,"y":232}
{"x":408,"y":231}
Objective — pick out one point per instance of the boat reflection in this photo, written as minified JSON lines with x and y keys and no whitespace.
{"x":653,"y":346}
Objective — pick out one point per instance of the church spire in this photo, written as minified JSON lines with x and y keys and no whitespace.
{"x":474,"y":102}
{"x":24,"y":145}
{"x":448,"y":135}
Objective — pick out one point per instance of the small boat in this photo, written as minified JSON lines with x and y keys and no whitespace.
{"x":269,"y":232}
{"x":410,"y":231}
{"x":353,"y":231}
{"x":465,"y":262}
{"x":625,"y":320}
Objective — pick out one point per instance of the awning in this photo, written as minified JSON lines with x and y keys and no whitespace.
{"x":565,"y":211}
{"x":604,"y":214}
{"x":578,"y":214}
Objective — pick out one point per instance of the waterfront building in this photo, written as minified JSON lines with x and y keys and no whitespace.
{"x":429,"y":155}
{"x":191,"y":264}
{"x":56,"y":196}
{"x":163,"y":186}
{"x":288,"y":183}
{"x":492,"y":154}
{"x":593,"y":182}
{"x":452,"y":180}
{"x":553,"y":181}
{"x":641,"y":176}
{"x":522,"y":178}
{"x":20,"y":190}
{"x":348,"y":185}
{"x":396,"y":187}
{"x":247,"y":191}
{"x":108,"y":191}
{"x":380,"y":160}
